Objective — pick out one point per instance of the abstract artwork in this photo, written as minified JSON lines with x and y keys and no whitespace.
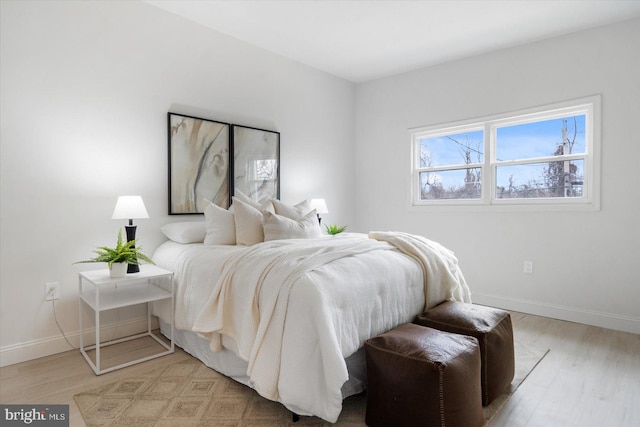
{"x":198,"y":163}
{"x":256,"y":162}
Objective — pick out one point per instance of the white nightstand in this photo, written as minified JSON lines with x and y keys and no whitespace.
{"x":101,"y":292}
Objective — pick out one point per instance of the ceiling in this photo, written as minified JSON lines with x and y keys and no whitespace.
{"x":365,"y":40}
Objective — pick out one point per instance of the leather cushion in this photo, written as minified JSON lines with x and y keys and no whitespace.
{"x":422,"y":376}
{"x":493,"y":329}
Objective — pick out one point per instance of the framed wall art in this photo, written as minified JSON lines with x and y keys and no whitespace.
{"x":198,"y":163}
{"x":256,"y":162}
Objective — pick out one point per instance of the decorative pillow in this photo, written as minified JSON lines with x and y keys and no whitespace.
{"x":248,"y":221}
{"x":277,"y":227}
{"x":262,"y":206}
{"x":220,"y":225}
{"x":185,"y":232}
{"x":293,"y":212}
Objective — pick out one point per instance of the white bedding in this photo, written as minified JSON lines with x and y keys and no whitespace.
{"x":317,"y":305}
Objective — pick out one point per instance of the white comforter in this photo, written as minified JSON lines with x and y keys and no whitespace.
{"x":296,"y":308}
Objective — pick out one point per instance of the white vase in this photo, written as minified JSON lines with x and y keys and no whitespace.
{"x":118,"y":269}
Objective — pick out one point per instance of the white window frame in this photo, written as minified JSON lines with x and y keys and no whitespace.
{"x":590,"y":200}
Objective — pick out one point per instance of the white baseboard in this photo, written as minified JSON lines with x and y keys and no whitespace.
{"x":35,"y":349}
{"x":555,"y":311}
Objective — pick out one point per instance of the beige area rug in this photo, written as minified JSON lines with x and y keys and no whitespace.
{"x":188,"y":393}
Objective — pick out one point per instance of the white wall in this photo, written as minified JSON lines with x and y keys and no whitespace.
{"x":85,"y":91}
{"x":584,"y":262}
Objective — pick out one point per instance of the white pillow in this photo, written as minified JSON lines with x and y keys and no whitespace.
{"x":248,"y":220}
{"x":294,"y":212}
{"x":277,"y":227}
{"x":220,"y":225}
{"x":185,"y":232}
{"x":262,"y":206}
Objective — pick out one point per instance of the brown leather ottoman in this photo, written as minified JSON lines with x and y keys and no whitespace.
{"x":492,"y":327}
{"x":422,"y":376}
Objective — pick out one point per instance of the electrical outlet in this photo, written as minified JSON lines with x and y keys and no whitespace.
{"x":51,"y":291}
{"x":528,"y":267}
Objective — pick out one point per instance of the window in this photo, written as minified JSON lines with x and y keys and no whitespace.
{"x":546,"y":156}
{"x":451,"y":163}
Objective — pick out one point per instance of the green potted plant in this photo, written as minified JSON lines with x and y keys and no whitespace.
{"x":119,"y":257}
{"x":335,"y":229}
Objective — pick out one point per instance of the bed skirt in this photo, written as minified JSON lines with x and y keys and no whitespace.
{"x":231,"y":365}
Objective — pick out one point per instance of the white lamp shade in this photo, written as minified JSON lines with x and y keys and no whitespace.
{"x":319,"y":205}
{"x":129,"y":207}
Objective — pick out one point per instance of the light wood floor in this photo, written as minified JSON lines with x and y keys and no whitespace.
{"x":590,"y":377}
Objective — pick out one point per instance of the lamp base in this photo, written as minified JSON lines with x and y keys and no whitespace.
{"x":131,"y":235}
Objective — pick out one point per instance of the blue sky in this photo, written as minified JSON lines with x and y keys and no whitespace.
{"x":514,"y":142}
{"x":445,"y":152}
{"x":537,"y":139}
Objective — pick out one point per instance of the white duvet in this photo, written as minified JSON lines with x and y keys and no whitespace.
{"x":295,"y":309}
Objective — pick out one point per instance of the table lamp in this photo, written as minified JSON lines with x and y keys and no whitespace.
{"x":320,"y":206}
{"x":130,"y":207}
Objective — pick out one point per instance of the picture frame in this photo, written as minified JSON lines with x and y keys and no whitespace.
{"x":199,"y":166}
{"x":255,"y":169}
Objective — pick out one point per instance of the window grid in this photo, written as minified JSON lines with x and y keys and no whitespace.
{"x":587,"y":187}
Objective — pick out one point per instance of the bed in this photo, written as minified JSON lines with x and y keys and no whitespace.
{"x":288,"y":317}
